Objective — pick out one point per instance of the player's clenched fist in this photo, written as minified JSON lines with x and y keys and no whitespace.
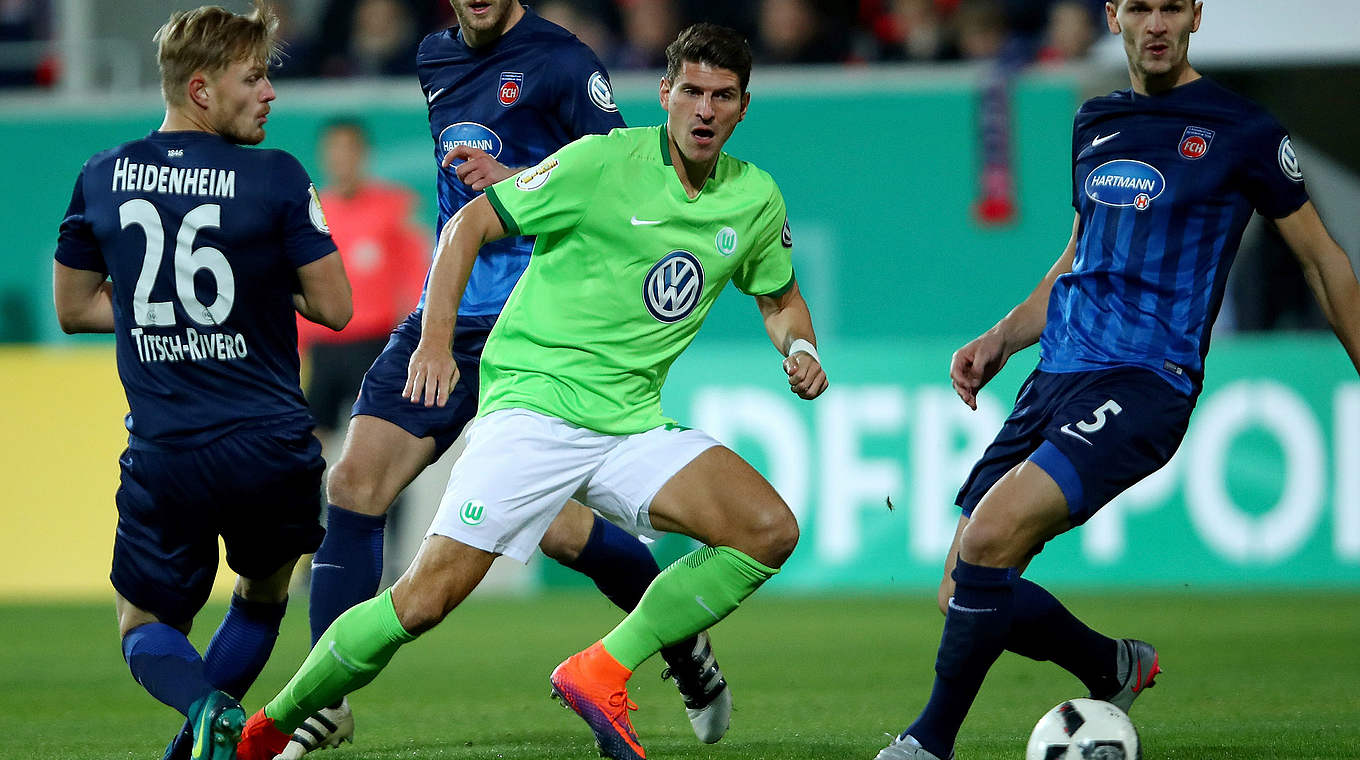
{"x":806,"y":377}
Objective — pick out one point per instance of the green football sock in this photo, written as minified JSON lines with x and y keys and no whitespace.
{"x":348,"y":655}
{"x":695,"y":592}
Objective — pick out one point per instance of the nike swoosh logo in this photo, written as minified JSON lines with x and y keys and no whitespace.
{"x":340,"y":659}
{"x":202,"y":732}
{"x":1102,"y":140}
{"x":643,"y":222}
{"x":1069,"y":431}
{"x":430,"y":98}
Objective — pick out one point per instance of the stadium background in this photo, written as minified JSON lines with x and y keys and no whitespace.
{"x":879,"y":165}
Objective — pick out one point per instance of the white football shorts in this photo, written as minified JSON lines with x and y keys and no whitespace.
{"x":520,"y":467}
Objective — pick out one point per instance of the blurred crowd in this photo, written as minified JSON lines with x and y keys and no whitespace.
{"x":356,"y":38}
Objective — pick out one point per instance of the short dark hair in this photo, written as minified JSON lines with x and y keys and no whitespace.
{"x":715,"y":45}
{"x":349,"y":124}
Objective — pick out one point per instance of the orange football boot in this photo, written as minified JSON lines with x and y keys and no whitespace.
{"x":595,"y":686}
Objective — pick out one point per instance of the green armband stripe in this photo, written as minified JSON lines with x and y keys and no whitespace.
{"x":506,"y":219}
{"x":777,"y":292}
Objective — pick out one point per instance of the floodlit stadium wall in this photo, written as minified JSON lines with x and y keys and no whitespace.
{"x":879,"y":170}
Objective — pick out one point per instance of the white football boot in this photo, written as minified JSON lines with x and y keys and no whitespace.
{"x":905,"y":747}
{"x":708,"y":701}
{"x":328,"y":727}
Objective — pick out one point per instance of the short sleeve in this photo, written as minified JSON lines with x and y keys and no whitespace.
{"x":586,"y":105}
{"x":302,"y":222}
{"x":1273,"y":180}
{"x":553,"y":195}
{"x":77,"y":246}
{"x":768,"y":269}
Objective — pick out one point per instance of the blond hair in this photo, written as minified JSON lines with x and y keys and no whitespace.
{"x":209,"y":39}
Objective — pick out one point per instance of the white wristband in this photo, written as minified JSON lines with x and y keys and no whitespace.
{"x":806,"y":347}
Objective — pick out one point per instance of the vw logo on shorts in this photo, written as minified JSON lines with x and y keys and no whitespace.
{"x":673,"y":286}
{"x":473,"y":512}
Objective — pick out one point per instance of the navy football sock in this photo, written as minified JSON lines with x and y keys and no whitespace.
{"x":1043,"y":629}
{"x":166,"y":665}
{"x":235,"y":656}
{"x":619,"y":564}
{"x":975,"y":630}
{"x":242,"y":643}
{"x":347,"y":569}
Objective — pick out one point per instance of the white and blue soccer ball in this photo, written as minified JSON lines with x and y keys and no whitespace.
{"x":1084,"y":729}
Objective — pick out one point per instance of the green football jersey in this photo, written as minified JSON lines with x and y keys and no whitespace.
{"x":624,"y":269}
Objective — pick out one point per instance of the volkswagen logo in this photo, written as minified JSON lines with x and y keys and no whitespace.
{"x":673,"y":286}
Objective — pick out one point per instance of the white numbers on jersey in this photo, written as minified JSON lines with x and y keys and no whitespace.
{"x":1101,"y":415}
{"x":187,"y":262}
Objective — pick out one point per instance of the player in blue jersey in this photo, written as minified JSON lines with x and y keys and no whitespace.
{"x":195,"y":251}
{"x":504,"y":88}
{"x":1165,"y":177}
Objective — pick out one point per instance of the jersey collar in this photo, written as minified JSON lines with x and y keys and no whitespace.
{"x":510,"y":34}
{"x":678,"y":189}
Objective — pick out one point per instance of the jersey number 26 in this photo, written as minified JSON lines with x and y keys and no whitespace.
{"x":187,"y":262}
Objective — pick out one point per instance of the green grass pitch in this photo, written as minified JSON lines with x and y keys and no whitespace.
{"x":1248,"y":676}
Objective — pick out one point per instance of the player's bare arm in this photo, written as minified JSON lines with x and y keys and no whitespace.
{"x":478,"y":169}
{"x":326,"y":298}
{"x":432,"y":371}
{"x":83,"y":298}
{"x":978,"y":361}
{"x":789,"y":325}
{"x":1328,"y":272}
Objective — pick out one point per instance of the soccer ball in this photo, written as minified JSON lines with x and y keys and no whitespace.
{"x":1084,"y":729}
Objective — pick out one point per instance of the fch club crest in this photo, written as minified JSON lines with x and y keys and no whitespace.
{"x":511,"y":84}
{"x":673,"y":286}
{"x":1195,"y":142}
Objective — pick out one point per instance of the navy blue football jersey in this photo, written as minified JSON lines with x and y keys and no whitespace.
{"x":1164,"y":186}
{"x":533,"y":91}
{"x":202,"y":240}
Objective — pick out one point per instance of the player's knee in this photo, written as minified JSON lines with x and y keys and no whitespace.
{"x":568,"y":534}
{"x":774,"y":533}
{"x":271,"y":590}
{"x":991,"y":542}
{"x":560,"y":546}
{"x":350,"y":487}
{"x":421,"y":609}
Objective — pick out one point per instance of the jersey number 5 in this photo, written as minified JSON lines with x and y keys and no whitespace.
{"x":187,"y":262}
{"x":1101,"y":415}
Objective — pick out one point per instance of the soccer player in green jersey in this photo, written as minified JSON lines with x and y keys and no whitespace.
{"x":637,"y":233}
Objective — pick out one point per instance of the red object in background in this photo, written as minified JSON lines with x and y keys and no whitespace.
{"x":995,"y":211}
{"x":997,"y":204}
{"x":48,"y":72}
{"x":386,"y":257}
{"x":877,"y":16}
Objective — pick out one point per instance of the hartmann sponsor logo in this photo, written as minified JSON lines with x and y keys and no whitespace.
{"x":473,"y":135}
{"x":1125,"y":182}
